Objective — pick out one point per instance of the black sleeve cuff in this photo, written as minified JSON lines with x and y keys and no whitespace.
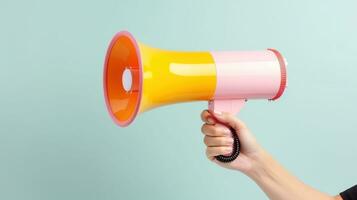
{"x":350,"y":194}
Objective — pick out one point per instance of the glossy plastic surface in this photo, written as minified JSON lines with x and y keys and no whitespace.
{"x":247,"y":74}
{"x":176,"y":76}
{"x":161,"y":77}
{"x":122,"y":54}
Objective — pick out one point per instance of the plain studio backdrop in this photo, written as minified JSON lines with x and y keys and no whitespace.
{"x":58,"y":142}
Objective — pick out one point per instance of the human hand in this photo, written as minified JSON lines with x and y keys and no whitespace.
{"x":219,"y":141}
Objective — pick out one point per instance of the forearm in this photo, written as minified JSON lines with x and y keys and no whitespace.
{"x":279,"y":184}
{"x":254,"y":161}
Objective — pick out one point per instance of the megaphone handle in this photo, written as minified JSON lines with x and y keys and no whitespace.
{"x":232,"y":106}
{"x":235,"y":149}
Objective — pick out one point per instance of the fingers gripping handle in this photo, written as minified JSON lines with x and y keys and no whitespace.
{"x":232,"y":106}
{"x":235,"y":149}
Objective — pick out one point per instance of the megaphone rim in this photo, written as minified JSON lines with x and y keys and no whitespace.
{"x":105,"y":86}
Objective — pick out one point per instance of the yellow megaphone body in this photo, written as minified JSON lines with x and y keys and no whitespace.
{"x":138,"y":78}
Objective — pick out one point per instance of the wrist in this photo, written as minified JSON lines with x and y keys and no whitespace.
{"x":261,"y":167}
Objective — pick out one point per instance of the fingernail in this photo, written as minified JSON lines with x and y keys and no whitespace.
{"x":210,"y":120}
{"x":217,"y":112}
{"x":227,"y":131}
{"x":228,"y":150}
{"x":231,"y":140}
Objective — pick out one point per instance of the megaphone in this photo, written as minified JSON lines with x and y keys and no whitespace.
{"x":138,"y":78}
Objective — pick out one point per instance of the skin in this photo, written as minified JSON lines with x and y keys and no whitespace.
{"x":253,"y":160}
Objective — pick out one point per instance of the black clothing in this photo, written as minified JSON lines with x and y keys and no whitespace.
{"x":350,"y":194}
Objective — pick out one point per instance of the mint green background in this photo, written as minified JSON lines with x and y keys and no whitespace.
{"x":58,"y":142}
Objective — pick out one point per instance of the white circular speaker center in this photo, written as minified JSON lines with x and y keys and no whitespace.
{"x":127,"y":79}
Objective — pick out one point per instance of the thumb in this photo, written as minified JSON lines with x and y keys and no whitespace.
{"x":229,"y":119}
